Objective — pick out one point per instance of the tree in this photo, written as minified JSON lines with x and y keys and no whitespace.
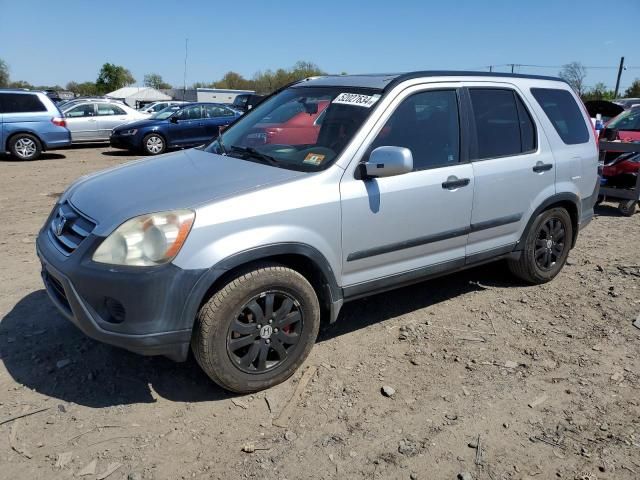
{"x":4,"y":73}
{"x":634,"y":90}
{"x":598,"y":92}
{"x":154,"y":80}
{"x":84,"y":88}
{"x":234,"y":81}
{"x":112,"y":77}
{"x":574,"y":74}
{"x":20,"y":84}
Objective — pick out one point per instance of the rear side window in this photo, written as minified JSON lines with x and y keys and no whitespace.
{"x":503,"y":124}
{"x":20,"y":103}
{"x":564,"y":113}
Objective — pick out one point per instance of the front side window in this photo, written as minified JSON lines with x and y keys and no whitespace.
{"x":503,"y":124}
{"x":190,"y":113}
{"x":628,"y":121}
{"x":165,"y":113}
{"x":426,"y":123}
{"x":20,"y":103}
{"x":284,"y":130}
{"x":564,"y":114}
{"x":86,"y":110}
{"x":108,"y":109}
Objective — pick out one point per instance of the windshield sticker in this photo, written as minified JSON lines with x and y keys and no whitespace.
{"x":314,"y":158}
{"x":356,"y":99}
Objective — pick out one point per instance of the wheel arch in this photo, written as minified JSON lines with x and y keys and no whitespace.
{"x":43,"y":146}
{"x":304,"y":259}
{"x":569,"y":201}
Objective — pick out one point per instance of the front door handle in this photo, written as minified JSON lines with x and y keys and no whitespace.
{"x":542,"y":167}
{"x":454,"y":183}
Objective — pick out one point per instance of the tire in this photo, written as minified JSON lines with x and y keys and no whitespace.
{"x":627,"y":207}
{"x":229,"y":349}
{"x":154,"y":144}
{"x":25,"y":146}
{"x":534,"y":265}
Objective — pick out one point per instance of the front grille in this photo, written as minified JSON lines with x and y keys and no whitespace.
{"x":69,"y":228}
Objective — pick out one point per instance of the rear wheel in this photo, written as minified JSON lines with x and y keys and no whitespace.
{"x":153,"y":144}
{"x":546,"y":247}
{"x":258,"y":329}
{"x":25,"y":146}
{"x":627,"y":207}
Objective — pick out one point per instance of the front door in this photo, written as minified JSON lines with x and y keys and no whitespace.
{"x":188,"y":128}
{"x":416,"y":223}
{"x":214,"y":117}
{"x":82,"y":122}
{"x":109,"y":117}
{"x":513,"y":169}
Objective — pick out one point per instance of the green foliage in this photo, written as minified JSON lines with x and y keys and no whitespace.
{"x":112,"y":77}
{"x":154,"y":80}
{"x":634,"y":90}
{"x":84,"y":88}
{"x":20,"y":84}
{"x":598,"y":92}
{"x":267,"y":81}
{"x":4,"y":73}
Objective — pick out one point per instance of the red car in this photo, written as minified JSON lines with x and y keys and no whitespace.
{"x":291,"y":124}
{"x":625,"y":127}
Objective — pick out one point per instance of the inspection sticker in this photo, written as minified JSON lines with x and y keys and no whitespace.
{"x":314,"y":158}
{"x":357,"y":99}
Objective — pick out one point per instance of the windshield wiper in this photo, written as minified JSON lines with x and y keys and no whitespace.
{"x":252,"y":152}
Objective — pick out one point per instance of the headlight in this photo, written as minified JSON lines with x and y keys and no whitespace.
{"x":147,"y":240}
{"x":131,"y":131}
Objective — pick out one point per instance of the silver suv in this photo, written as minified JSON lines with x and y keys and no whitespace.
{"x":333,"y":188}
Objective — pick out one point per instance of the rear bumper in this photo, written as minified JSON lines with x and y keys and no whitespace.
{"x":150,"y":303}
{"x":587,"y":205}
{"x":58,"y":139}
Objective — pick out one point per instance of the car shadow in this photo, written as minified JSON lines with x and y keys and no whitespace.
{"x":43,"y":157}
{"x":45,"y":352}
{"x":608,"y":210}
{"x":119,"y":153}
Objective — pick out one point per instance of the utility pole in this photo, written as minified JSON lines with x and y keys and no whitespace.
{"x":620,"y":68}
{"x":184,"y":84}
{"x":512,"y":67}
{"x":491,"y":68}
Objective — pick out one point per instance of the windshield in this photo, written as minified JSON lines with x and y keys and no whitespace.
{"x":165,"y":113}
{"x":629,"y":120}
{"x":300,"y":128}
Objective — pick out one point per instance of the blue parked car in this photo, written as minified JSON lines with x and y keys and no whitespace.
{"x":187,"y":125}
{"x":30,"y":123}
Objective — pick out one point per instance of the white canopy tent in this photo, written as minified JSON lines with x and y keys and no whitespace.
{"x":137,"y":96}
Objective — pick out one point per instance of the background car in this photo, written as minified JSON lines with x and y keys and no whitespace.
{"x":93,"y":120}
{"x":156,"y":107}
{"x":246,"y":101}
{"x":30,"y":123}
{"x":186,"y":125}
{"x":627,"y":103}
{"x":290,"y":124}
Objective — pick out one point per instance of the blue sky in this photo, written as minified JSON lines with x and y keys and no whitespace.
{"x":70,"y":40}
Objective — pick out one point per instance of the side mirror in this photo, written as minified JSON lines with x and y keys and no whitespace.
{"x":387,"y":162}
{"x":173,"y":119}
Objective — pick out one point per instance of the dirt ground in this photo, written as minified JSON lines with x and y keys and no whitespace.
{"x":492,"y":379}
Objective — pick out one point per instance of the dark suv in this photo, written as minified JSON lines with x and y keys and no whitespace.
{"x":30,"y":123}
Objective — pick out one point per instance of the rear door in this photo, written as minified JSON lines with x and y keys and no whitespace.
{"x":82,"y":122}
{"x":109,"y":117}
{"x":513,"y":168}
{"x":188,"y":128}
{"x":215,"y":116}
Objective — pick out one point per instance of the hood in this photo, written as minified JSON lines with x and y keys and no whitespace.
{"x":144,"y":122}
{"x":184,"y":179}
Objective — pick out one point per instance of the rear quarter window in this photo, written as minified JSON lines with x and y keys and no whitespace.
{"x":564,"y":113}
{"x":20,"y":103}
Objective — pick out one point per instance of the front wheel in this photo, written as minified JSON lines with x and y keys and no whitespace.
{"x":153,"y":144}
{"x":25,"y":146}
{"x":546,"y":247}
{"x":627,"y":207}
{"x":258,"y":329}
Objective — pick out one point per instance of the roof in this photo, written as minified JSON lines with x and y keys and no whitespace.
{"x":139,"y":93}
{"x":383,"y":81}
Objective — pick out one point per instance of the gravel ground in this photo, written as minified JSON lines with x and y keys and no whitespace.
{"x":485,"y":378}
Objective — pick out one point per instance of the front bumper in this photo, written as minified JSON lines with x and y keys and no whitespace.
{"x":126,"y":142}
{"x":139,"y":309}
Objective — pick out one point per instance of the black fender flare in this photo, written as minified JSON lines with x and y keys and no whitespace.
{"x":210,"y":276}
{"x":557,"y":198}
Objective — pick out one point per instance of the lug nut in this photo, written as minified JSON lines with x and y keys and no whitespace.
{"x":267,"y":341}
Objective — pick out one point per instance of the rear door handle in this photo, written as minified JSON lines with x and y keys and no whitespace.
{"x":542,"y":167}
{"x":453,"y":183}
